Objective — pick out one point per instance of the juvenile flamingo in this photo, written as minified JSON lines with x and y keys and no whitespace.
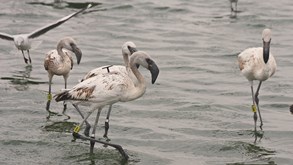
{"x":59,"y":62}
{"x":109,"y":88}
{"x":258,"y":64}
{"x":128,"y":48}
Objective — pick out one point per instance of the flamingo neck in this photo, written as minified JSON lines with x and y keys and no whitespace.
{"x":140,"y":86}
{"x":60,"y":52}
{"x":126,"y":59}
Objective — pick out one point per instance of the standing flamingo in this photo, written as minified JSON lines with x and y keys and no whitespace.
{"x":109,"y":88}
{"x":59,"y":62}
{"x":258,"y":64}
{"x":128,"y":48}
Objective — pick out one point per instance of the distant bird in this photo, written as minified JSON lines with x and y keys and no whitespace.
{"x":231,"y":5}
{"x":109,"y":88}
{"x":22,"y":41}
{"x":291,"y":109}
{"x":258,"y":64}
{"x":59,"y":62}
{"x":128,"y":48}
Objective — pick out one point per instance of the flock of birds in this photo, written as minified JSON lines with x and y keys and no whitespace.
{"x":110,"y":84}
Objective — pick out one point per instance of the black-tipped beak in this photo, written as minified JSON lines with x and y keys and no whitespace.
{"x":154,"y":70}
{"x":266,"y":51}
{"x":77,"y":53}
{"x":131,"y":49}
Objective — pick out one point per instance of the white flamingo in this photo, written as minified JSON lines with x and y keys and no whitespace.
{"x":22,"y":41}
{"x":59,"y":62}
{"x":109,"y":88}
{"x":128,"y":48}
{"x":258,"y":64}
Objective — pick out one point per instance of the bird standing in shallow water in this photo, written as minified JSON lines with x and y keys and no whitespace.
{"x":258,"y":64}
{"x":233,"y":9}
{"x":128,"y":48}
{"x":231,"y":5}
{"x":22,"y":41}
{"x":109,"y":88}
{"x":59,"y":62}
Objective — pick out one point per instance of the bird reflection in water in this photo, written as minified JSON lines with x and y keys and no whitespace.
{"x":22,"y":78}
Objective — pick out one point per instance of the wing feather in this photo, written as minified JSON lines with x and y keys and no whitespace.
{"x":101,"y":88}
{"x":46,"y":28}
{"x":6,"y":36}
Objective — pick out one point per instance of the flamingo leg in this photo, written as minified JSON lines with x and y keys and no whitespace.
{"x":49,"y":97}
{"x":88,"y":126}
{"x":231,"y":6}
{"x":64,"y":102}
{"x":254,"y":111}
{"x":107,"y":122}
{"x":257,"y":101}
{"x":77,"y":128}
{"x":92,"y":142}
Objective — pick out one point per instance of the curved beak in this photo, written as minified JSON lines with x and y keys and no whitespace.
{"x":131,"y":49}
{"x":154,"y":70}
{"x":266,"y":51}
{"x":77,"y":53}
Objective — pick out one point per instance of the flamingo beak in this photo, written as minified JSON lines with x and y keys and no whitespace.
{"x":153,"y":69}
{"x":266,"y":51}
{"x":77,"y":53}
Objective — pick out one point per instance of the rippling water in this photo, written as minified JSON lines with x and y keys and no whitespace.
{"x":198,"y":112}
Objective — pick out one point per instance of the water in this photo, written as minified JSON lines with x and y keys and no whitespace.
{"x":198,"y":111}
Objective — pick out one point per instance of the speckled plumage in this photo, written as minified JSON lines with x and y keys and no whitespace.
{"x":57,"y":65}
{"x":113,"y":86}
{"x":252,"y":65}
{"x":59,"y":62}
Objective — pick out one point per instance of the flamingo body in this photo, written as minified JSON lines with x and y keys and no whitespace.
{"x":57,"y":65}
{"x":252,"y":65}
{"x":59,"y":62}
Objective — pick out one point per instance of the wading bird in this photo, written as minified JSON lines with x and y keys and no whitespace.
{"x":128,"y":48}
{"x":231,"y":5}
{"x":22,"y":41}
{"x":59,"y":62}
{"x":258,"y":64}
{"x":109,"y":88}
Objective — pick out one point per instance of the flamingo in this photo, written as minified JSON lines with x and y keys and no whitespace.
{"x":59,"y":62}
{"x":128,"y":48}
{"x":109,"y":88}
{"x":23,"y":41}
{"x":258,"y":64}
